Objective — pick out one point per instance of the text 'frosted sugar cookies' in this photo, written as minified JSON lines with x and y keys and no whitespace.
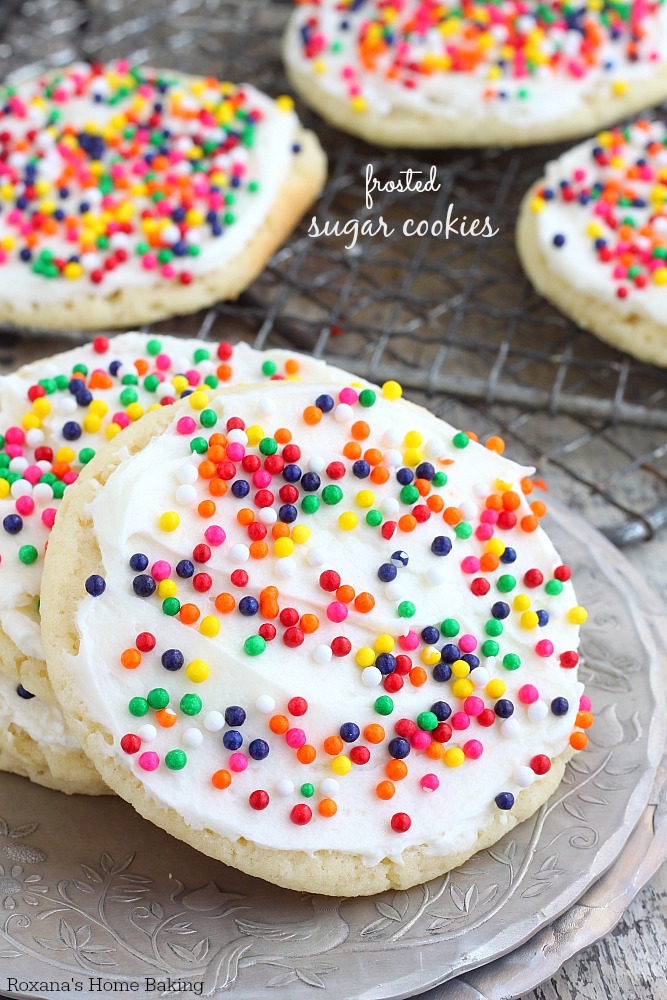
{"x":316,"y":633}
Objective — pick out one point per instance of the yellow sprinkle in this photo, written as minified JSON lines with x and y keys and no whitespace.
{"x":619,"y":87}
{"x":91,"y":423}
{"x":341,"y":765}
{"x":198,"y":400}
{"x":521,"y":602}
{"x":111,"y":431}
{"x":384,"y":643}
{"x":430,"y":656}
{"x":4,"y":488}
{"x":134,"y":411}
{"x":99,"y":407}
{"x":348,"y":521}
{"x":166,"y":588}
{"x":413,"y":456}
{"x":392,"y":390}
{"x":365,"y":656}
{"x":210,"y":626}
{"x":460,"y":668}
{"x":462,"y":688}
{"x":454,"y":757}
{"x":529,"y":620}
{"x":365,"y":498}
{"x":41,"y":407}
{"x":283,"y":547}
{"x":65,"y":455}
{"x":496,"y":688}
{"x":197,"y":671}
{"x":285,"y":103}
{"x":300,"y":533}
{"x":577,"y":615}
{"x":413,"y":439}
{"x":358,"y":104}
{"x":169,"y":521}
{"x":254,"y":433}
{"x":495,"y":546}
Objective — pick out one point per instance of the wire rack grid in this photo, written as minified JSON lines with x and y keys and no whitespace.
{"x":451,"y":317}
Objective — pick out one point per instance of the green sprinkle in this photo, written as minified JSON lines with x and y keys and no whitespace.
{"x":406,"y":609}
{"x":191,"y":704}
{"x":269,"y":368}
{"x":268,"y":446}
{"x":440,"y":479}
{"x":490,"y":648}
{"x":86,"y":454}
{"x":554,"y":587}
{"x":493,"y":627}
{"x":59,"y":490}
{"x":138,"y":706}
{"x":310,"y":504}
{"x":307,"y":790}
{"x":208,"y":418}
{"x":254,"y":645}
{"x":409,"y":494}
{"x":332,"y":495}
{"x":28,"y":554}
{"x":384,"y":705}
{"x":505,"y":583}
{"x":199,"y":445}
{"x":128,"y":396}
{"x":427,"y":721}
{"x":154,"y":347}
{"x":201,"y":354}
{"x":460,"y":440}
{"x":463,"y":530}
{"x":367,"y":397}
{"x":130,"y":379}
{"x":171,"y":606}
{"x":511,"y":661}
{"x":450,"y":627}
{"x":176,"y":760}
{"x":374,"y":518}
{"x":158,"y":698}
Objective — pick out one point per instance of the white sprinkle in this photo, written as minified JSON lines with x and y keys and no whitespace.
{"x":42,"y":493}
{"x":237,"y":436}
{"x":34,"y":437}
{"x":239,"y":553}
{"x":317,"y":464}
{"x":147,"y":734}
{"x":21,"y":488}
{"x":316,"y":556}
{"x":538,"y":711}
{"x":390,"y":507}
{"x":267,"y":515}
{"x":392,"y":438}
{"x":187,"y":474}
{"x":322,"y":653}
{"x":395,"y":590}
{"x":436,"y":575}
{"x":266,"y":406}
{"x":214,"y":722}
{"x":265,"y":704}
{"x":435,"y":447}
{"x":481,"y":490}
{"x":392,"y":458}
{"x":67,"y":405}
{"x":329,"y":787}
{"x":371,"y":677}
{"x":343,"y":413}
{"x":510,"y":729}
{"x":468,"y":508}
{"x":186,"y":495}
{"x":285,"y":568}
{"x":479,"y":676}
{"x":284,"y":787}
{"x":18,"y":465}
{"x":193,"y":737}
{"x":524,"y":776}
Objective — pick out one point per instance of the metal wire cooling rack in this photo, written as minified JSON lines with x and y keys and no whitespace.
{"x":453,"y":319}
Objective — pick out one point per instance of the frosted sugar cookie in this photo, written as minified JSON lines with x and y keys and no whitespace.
{"x":130,"y":194}
{"x":317,"y":633}
{"x":592,"y":237}
{"x":55,"y":414}
{"x":410,"y":73}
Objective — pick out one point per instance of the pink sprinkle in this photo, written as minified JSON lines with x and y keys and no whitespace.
{"x":295,"y":738}
{"x":161,"y":570}
{"x":348,"y":396}
{"x":470,"y":564}
{"x":162,"y":362}
{"x":25,"y":505}
{"x":238,"y":761}
{"x":215,"y":535}
{"x":14,"y":450}
{"x":186,"y":425}
{"x":235,"y":451}
{"x":33,"y":474}
{"x":70,"y":477}
{"x":584,"y":703}
{"x":149,"y":760}
{"x":484,"y":532}
{"x":429,"y":783}
{"x":421,"y":740}
{"x":460,"y":720}
{"x":473,"y":749}
{"x":409,"y":641}
{"x":473,"y":706}
{"x":149,"y":262}
{"x":14,"y":435}
{"x":489,"y":516}
{"x":467,"y":643}
{"x":528,"y":694}
{"x":193,"y":376}
{"x":48,"y":516}
{"x":544,"y":647}
{"x":261,"y":479}
{"x":337,"y":612}
{"x":121,"y":419}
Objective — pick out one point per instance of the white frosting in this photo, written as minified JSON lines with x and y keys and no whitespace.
{"x":576,"y":261}
{"x":42,"y":721}
{"x":449,"y":95}
{"x":125,"y":514}
{"x":268,"y":162}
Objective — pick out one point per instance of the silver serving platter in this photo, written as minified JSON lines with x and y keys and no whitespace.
{"x":93,"y":896}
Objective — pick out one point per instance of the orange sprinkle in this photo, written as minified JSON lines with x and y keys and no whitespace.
{"x":527,"y":485}
{"x":206,"y":508}
{"x":352,"y":450}
{"x":207,"y":469}
{"x":309,"y":623}
{"x":360,"y":431}
{"x":130,"y":658}
{"x":312,"y":415}
{"x":345,"y":594}
{"x":423,"y":486}
{"x":280,"y":530}
{"x":584,"y":720}
{"x":225,"y":603}
{"x":259,"y":549}
{"x":385,"y":790}
{"x":407,"y":522}
{"x":452,"y":515}
{"x":435,"y":503}
{"x":166,"y":718}
{"x":224,"y":372}
{"x":496,"y":444}
{"x":283,"y":435}
{"x":578,"y":741}
{"x":291,"y":365}
{"x":216,"y":439}
{"x":221,"y":779}
{"x":488,"y":562}
{"x":539,"y":508}
{"x":245,"y":516}
{"x":435,"y":751}
{"x":216,"y":453}
{"x":268,"y":602}
{"x":471,"y":435}
{"x":418,"y":676}
{"x":374,"y":733}
{"x":364,"y":602}
{"x":217,"y":487}
{"x":278,"y":724}
{"x":141,"y":365}
{"x":189,"y":613}
{"x":306,"y":754}
{"x":373,"y":456}
{"x":379,"y":475}
{"x":396,"y":770}
{"x":494,"y":502}
{"x":327,"y":807}
{"x":333,"y":745}
{"x":529,"y":523}
{"x":511,"y":500}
